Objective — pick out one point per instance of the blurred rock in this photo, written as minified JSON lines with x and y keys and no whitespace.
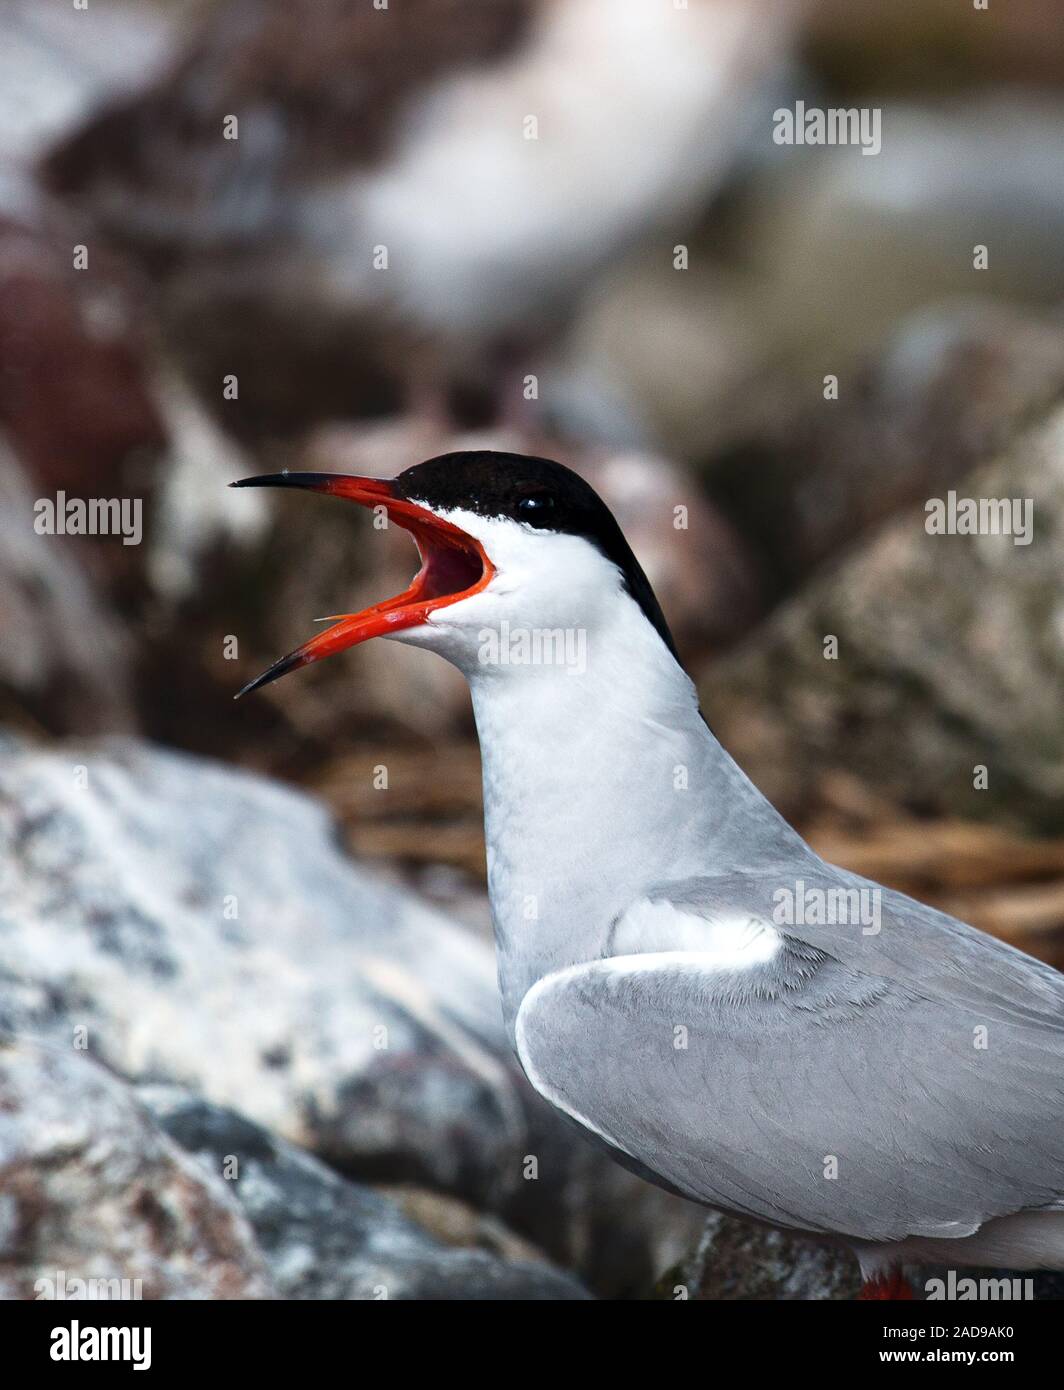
{"x":935,"y":42}
{"x":737,"y":1259}
{"x":325,"y":1238}
{"x":196,"y":518}
{"x":58,"y":62}
{"x":805,"y":478}
{"x":950,"y":658}
{"x":91,"y":1189}
{"x":78,"y":421}
{"x":700,"y":566}
{"x":456,"y":1223}
{"x":205,"y":930}
{"x":849,"y":244}
{"x":202,"y":926}
{"x":819,"y":253}
{"x":74,"y":395}
{"x":65,"y":660}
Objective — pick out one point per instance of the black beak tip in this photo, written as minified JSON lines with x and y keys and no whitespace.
{"x":272,"y":673}
{"x":262,"y":480}
{"x":251,"y":685}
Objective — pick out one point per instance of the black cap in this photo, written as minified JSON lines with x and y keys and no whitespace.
{"x":537,"y":492}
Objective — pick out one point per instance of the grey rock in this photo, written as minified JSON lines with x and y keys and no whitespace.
{"x":55,"y":69}
{"x":804,"y":480}
{"x":326,"y":1238}
{"x":739,"y":1260}
{"x":204,"y":929}
{"x":950,"y":657}
{"x":91,"y":1189}
{"x":455,"y":1222}
{"x":64,"y":653}
{"x":824,"y":252}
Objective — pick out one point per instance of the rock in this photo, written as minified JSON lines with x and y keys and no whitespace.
{"x":197,"y":520}
{"x":91,"y":1189}
{"x":203,"y":927}
{"x":456,"y":1223}
{"x":950,"y":658}
{"x":933,"y":43}
{"x":737,"y":1259}
{"x":58,"y":62}
{"x":74,"y":396}
{"x":65,"y":661}
{"x":844,"y":247}
{"x":805,"y":479}
{"x":326,"y":1238}
{"x":78,"y":421}
{"x":699,"y":565}
{"x":822,"y":253}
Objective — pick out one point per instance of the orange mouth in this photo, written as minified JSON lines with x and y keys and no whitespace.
{"x":453,"y":566}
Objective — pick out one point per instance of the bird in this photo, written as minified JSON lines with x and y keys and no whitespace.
{"x":380,"y":207}
{"x":675,"y":979}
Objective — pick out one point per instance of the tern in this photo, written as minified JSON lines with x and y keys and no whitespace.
{"x":682,"y":977}
{"x":430,"y":189}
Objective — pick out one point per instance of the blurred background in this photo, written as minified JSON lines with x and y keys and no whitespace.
{"x":252,"y":234}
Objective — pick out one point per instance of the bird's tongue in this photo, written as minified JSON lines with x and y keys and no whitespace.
{"x":453,"y":566}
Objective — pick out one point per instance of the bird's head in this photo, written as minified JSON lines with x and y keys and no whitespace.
{"x":507,"y":542}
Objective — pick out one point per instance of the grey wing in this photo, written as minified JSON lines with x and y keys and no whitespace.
{"x":913,"y":945}
{"x":808,"y":1091}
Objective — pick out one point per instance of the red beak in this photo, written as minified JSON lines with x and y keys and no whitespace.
{"x":453,"y":566}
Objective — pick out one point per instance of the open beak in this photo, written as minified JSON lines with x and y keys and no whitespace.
{"x":453,"y":566}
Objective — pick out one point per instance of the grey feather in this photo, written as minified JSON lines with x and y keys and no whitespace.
{"x":846,"y":1046}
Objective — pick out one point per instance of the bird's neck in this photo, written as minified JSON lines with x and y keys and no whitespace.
{"x":599,"y":783}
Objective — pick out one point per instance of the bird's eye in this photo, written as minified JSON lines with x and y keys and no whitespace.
{"x":534,"y":505}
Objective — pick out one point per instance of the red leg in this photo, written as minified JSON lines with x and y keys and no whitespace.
{"x":890,"y":1284}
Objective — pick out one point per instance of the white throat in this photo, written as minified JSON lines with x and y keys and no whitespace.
{"x":599,"y":784}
